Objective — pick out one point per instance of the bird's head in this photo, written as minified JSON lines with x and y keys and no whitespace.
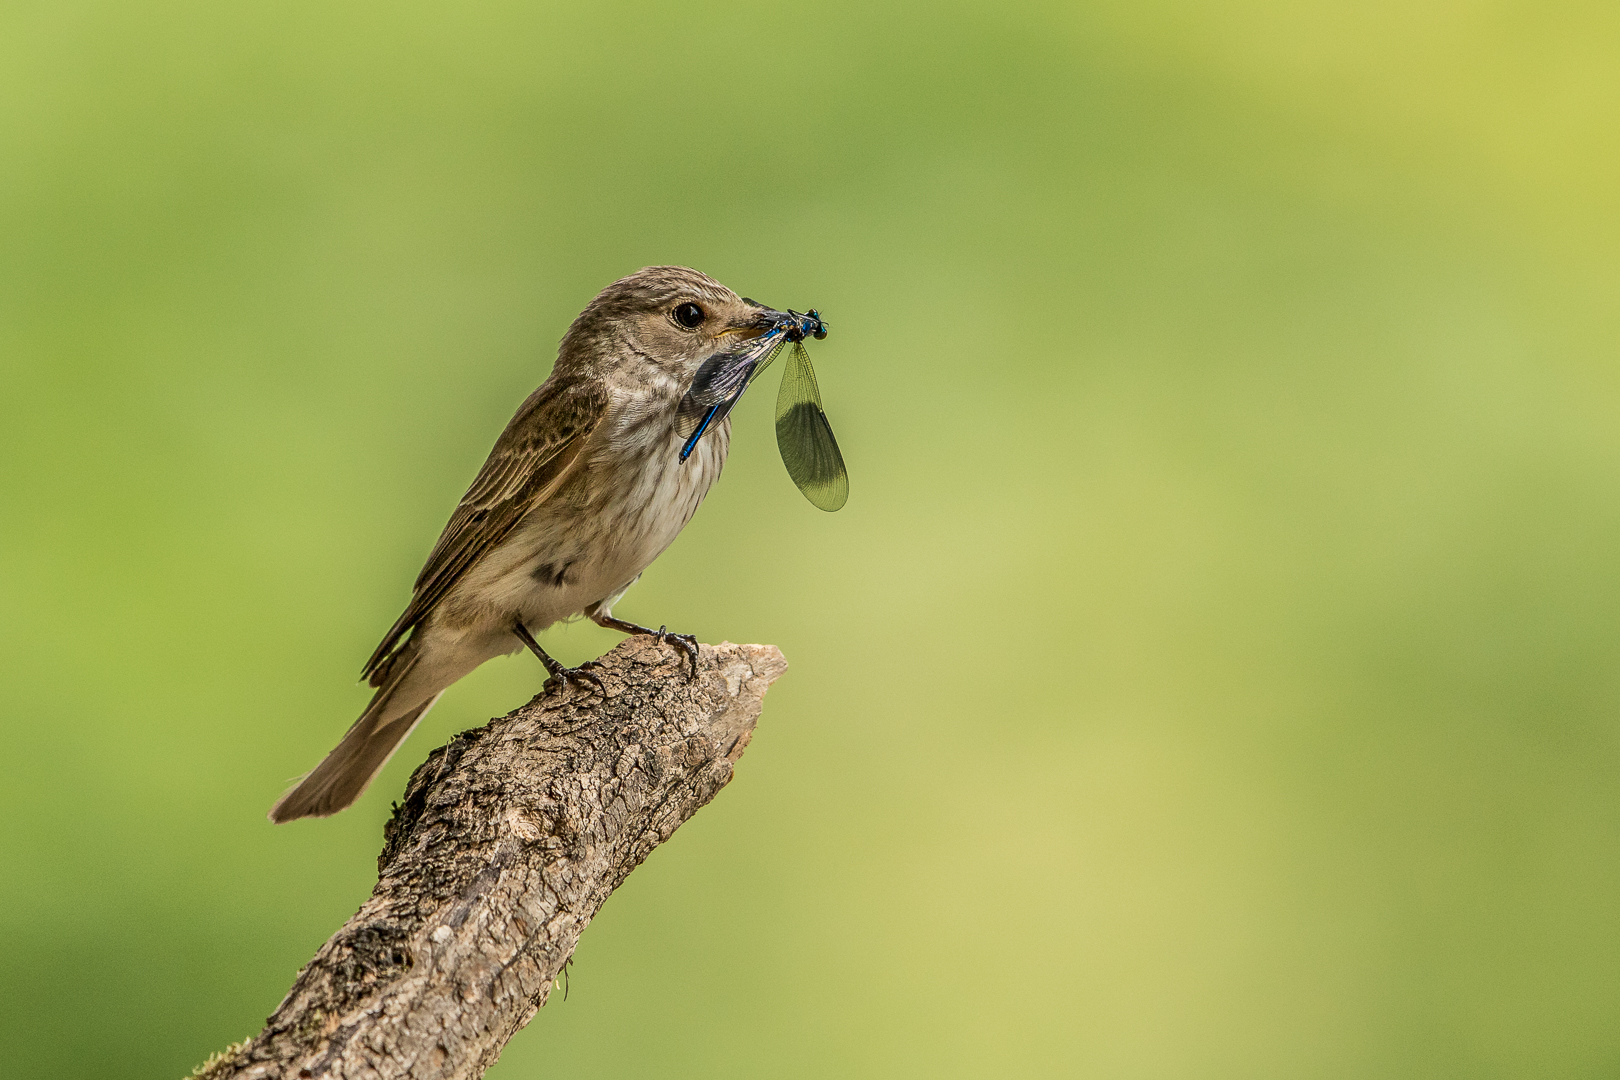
{"x":671,"y":319}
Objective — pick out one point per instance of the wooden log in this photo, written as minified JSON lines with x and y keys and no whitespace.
{"x":509,"y":839}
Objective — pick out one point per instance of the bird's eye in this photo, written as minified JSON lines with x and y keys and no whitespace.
{"x":689,"y":315}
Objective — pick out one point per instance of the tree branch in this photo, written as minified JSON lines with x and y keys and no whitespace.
{"x":509,"y":839}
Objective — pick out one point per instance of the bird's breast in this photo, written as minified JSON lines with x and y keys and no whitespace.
{"x":628,"y":504}
{"x":646,"y":493}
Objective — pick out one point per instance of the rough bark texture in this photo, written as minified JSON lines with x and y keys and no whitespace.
{"x":509,"y":839}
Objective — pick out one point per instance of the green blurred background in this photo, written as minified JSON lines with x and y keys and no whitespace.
{"x":1213,"y":674}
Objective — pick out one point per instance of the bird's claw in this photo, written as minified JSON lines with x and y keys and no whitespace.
{"x":688,"y":642}
{"x":565,"y":675}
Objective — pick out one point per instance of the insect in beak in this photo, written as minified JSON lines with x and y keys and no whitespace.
{"x":803,"y":435}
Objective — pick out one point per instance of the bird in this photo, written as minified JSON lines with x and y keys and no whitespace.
{"x":593,"y":478}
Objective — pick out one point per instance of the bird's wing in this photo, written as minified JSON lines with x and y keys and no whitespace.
{"x":539,"y":450}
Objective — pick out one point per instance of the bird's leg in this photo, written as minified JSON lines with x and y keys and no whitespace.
{"x":686,"y":641}
{"x":554,"y":669}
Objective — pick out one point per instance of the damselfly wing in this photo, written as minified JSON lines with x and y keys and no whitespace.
{"x":804,"y":436}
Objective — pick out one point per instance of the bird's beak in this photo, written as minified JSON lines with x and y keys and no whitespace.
{"x":766,"y":320}
{"x":757,"y":323}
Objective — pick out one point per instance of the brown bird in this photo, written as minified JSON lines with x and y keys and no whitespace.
{"x":593,"y":478}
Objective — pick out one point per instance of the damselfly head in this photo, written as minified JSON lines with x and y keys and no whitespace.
{"x":797,"y":327}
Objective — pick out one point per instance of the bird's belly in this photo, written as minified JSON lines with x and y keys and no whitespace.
{"x":578,"y":553}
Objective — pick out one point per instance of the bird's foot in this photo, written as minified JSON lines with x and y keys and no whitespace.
{"x":687,"y":642}
{"x":562,"y":676}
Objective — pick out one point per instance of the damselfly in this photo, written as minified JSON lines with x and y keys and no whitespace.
{"x":803,"y":434}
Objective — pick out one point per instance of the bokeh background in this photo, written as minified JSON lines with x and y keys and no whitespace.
{"x":1213,"y":674}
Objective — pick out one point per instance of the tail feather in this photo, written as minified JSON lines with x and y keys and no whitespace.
{"x":348,"y":770}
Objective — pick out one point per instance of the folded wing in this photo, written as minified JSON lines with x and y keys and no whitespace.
{"x":539,"y":450}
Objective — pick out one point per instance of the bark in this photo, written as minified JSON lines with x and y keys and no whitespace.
{"x":509,"y":839}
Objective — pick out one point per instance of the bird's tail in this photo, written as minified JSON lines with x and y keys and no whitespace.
{"x":351,"y":766}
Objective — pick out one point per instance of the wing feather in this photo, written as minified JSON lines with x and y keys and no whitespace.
{"x":539,"y":450}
